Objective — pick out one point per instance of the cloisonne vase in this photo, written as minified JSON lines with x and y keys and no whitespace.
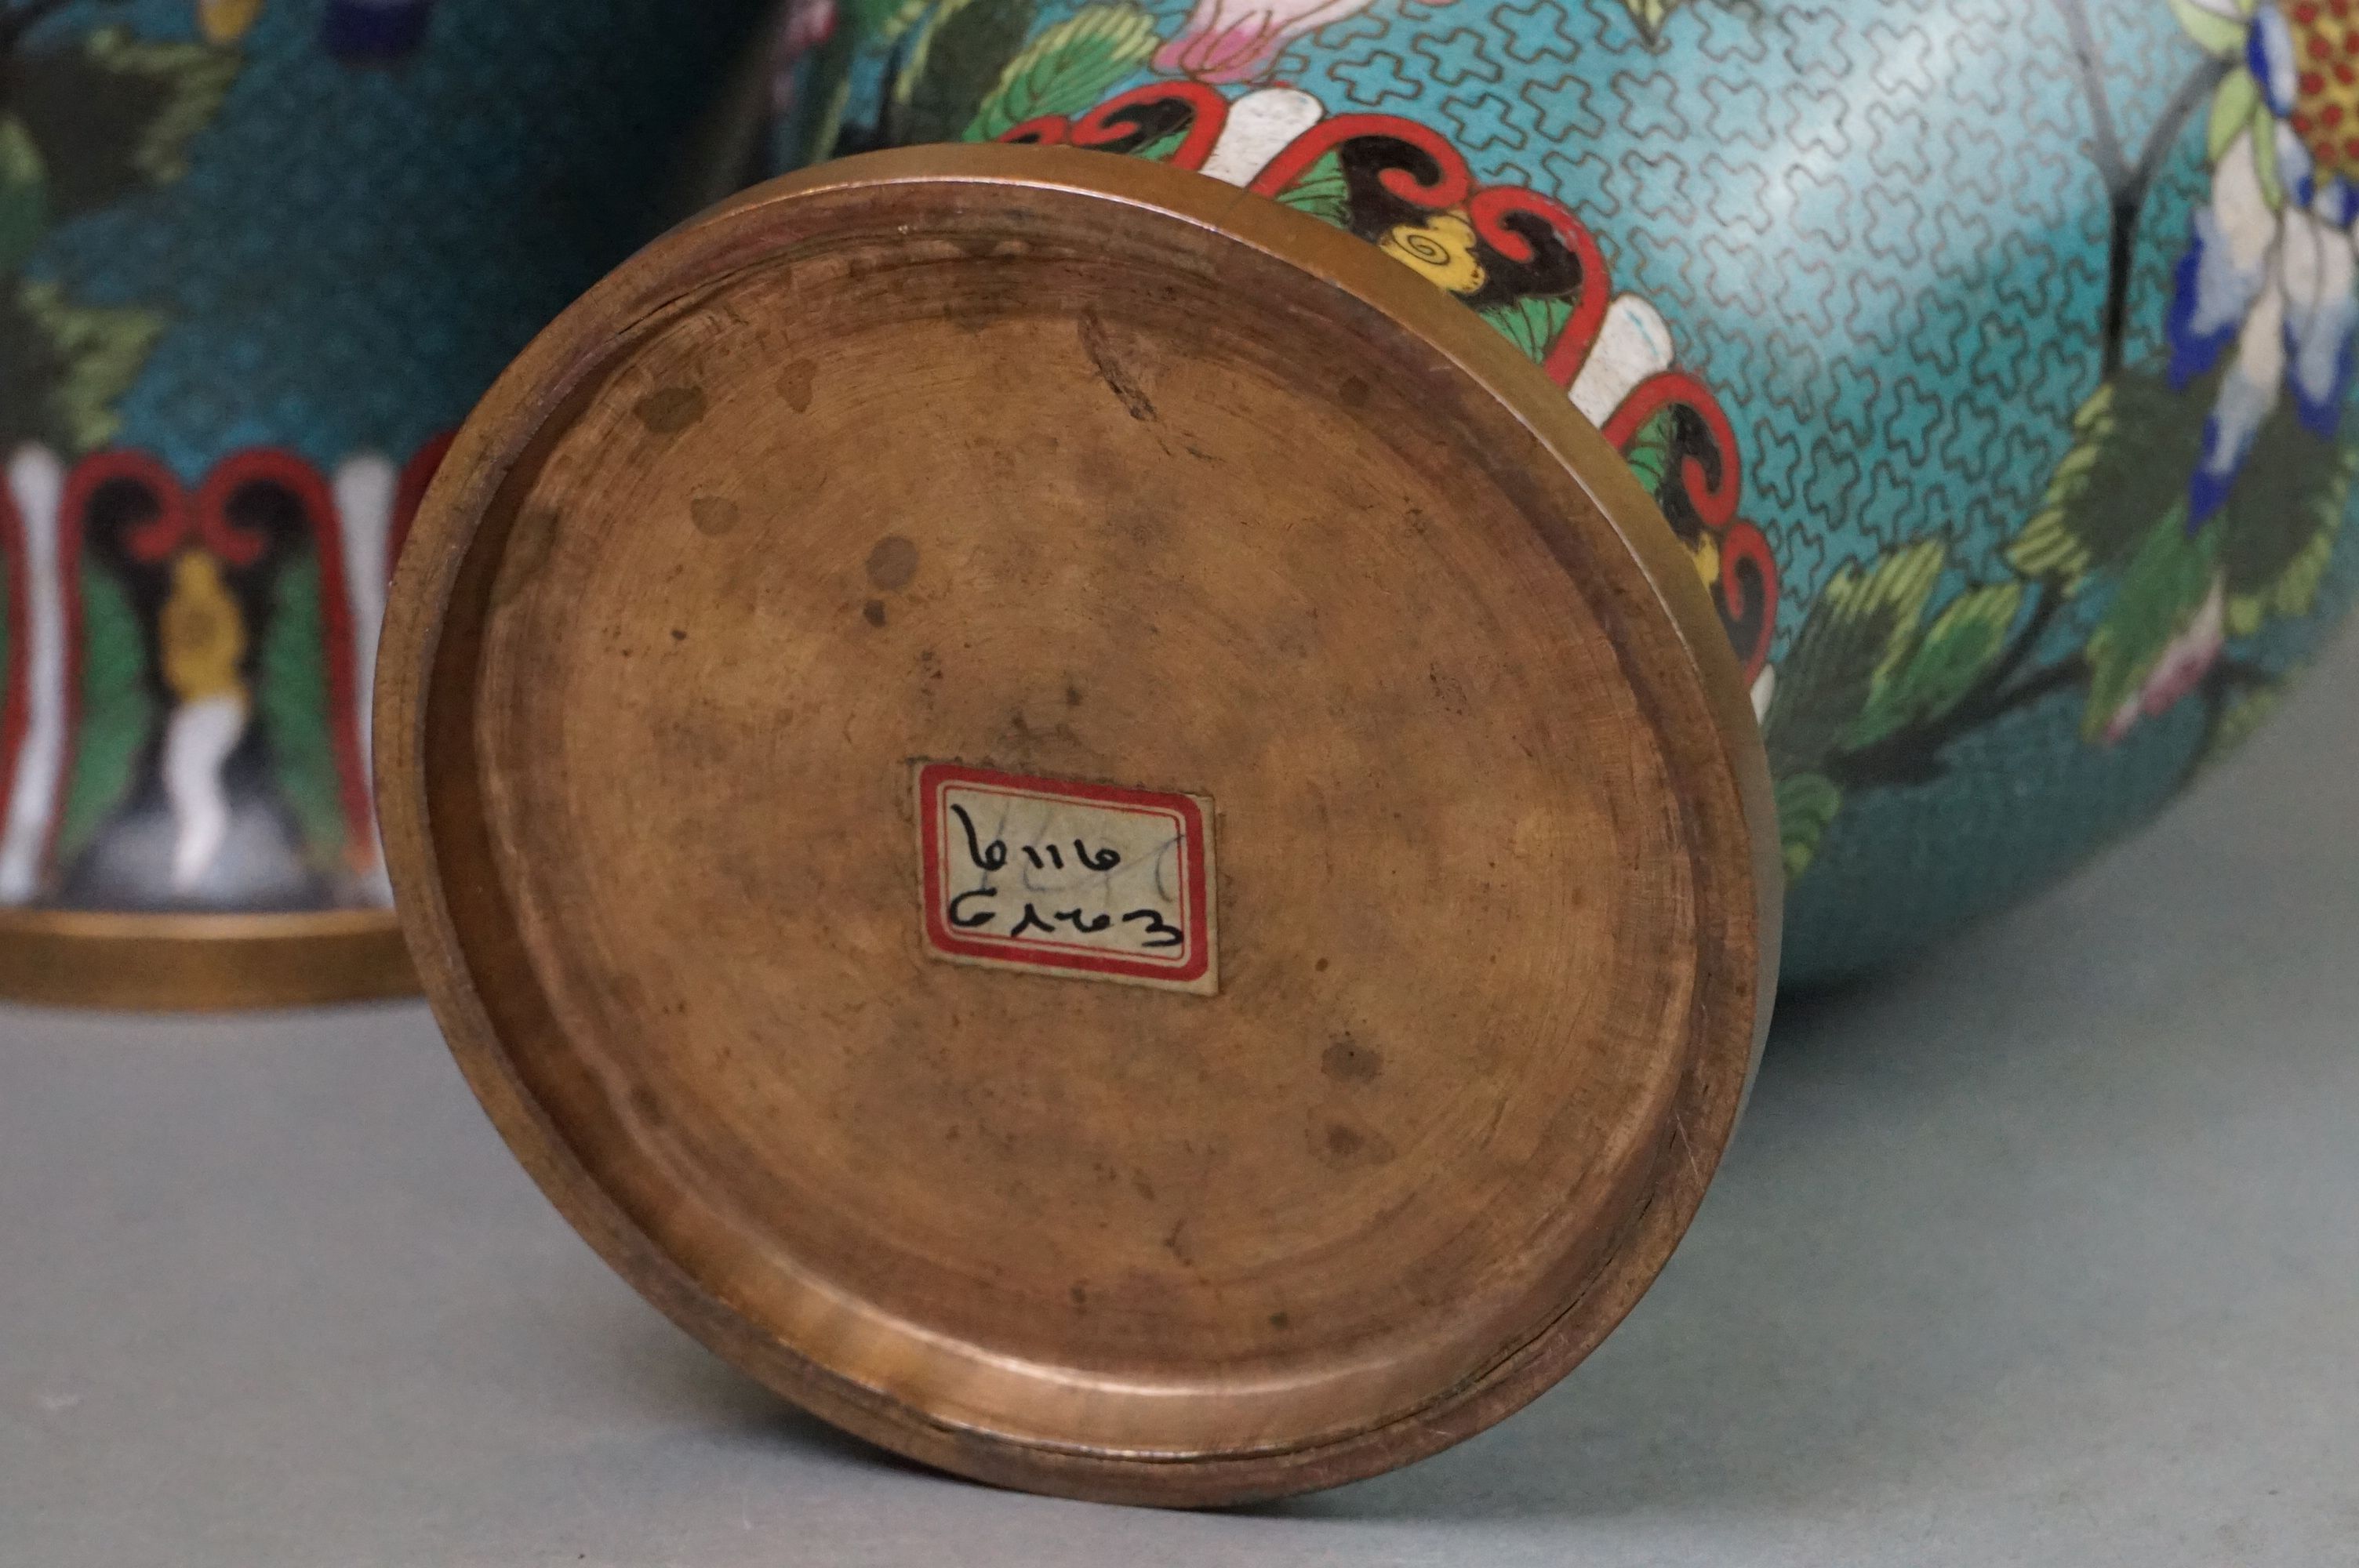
{"x":261,"y":256}
{"x":1119,"y":810}
{"x":1989,"y":361}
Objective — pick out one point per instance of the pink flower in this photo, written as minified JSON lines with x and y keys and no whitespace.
{"x":805,"y":26}
{"x":2186,"y":659}
{"x":1239,"y":40}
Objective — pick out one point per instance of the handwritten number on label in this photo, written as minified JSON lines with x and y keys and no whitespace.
{"x":991,"y":857}
{"x":1161,"y":932}
{"x":972,"y":910}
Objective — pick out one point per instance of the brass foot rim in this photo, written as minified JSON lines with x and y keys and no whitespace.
{"x":201,"y":963}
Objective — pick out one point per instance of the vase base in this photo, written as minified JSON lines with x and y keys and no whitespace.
{"x":1081,"y":823}
{"x":201,"y":963}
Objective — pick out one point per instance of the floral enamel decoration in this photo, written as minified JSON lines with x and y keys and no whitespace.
{"x":2186,"y":659}
{"x":2267,"y":278}
{"x":1239,"y":40}
{"x":2196,"y":496}
{"x":1521,"y":260}
{"x":254,"y":254}
{"x":2200,"y":497}
{"x":246,"y":604}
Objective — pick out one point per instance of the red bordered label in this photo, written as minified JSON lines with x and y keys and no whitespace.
{"x":1062,"y":878}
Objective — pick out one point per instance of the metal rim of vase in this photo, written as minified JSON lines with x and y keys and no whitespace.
{"x":201,"y":962}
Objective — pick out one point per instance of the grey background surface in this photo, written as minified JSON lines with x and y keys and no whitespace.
{"x":2045,"y":1250}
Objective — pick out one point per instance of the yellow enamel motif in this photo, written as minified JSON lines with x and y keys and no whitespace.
{"x":202,"y":631}
{"x":1707,"y":559}
{"x":227,"y":21}
{"x":1442,"y":248}
{"x":2326,"y":99}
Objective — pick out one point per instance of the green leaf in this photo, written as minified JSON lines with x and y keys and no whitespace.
{"x":2264,"y":126}
{"x":1807,"y":804}
{"x":880,"y":23}
{"x":63,"y":366}
{"x":1322,"y":191}
{"x":1649,"y":456}
{"x":1904,"y":580}
{"x":954,"y":64}
{"x":921,"y":48}
{"x":2165,"y":585}
{"x":1858,"y":635}
{"x":292,"y":701}
{"x":2134,"y":441}
{"x":1650,"y":15}
{"x":2294,"y":593}
{"x":118,"y":711}
{"x":1531,"y":323}
{"x":2231,"y":111}
{"x":1162,"y":147}
{"x":24,"y":194}
{"x":1068,"y":68}
{"x":825,"y":127}
{"x":112,"y":113}
{"x":2214,"y":33}
{"x":1964,"y":640}
{"x":2280,"y":522}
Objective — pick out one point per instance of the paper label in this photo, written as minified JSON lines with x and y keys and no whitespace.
{"x":1082,"y":880}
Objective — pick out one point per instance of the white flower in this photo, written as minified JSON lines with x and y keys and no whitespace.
{"x":2269,"y":275}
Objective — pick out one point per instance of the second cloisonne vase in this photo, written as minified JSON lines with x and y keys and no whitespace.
{"x":257,"y":258}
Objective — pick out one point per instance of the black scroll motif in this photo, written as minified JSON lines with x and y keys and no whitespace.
{"x":1375,"y":211}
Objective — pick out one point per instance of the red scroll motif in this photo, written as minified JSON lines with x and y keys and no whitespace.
{"x":1493,"y":213}
{"x":1450,"y":183}
{"x":268,"y":475}
{"x":1527,"y":248}
{"x":1708,"y":477}
{"x":1131,"y":122}
{"x":173,"y":526}
{"x":1123,"y":116}
{"x":1749,"y":593}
